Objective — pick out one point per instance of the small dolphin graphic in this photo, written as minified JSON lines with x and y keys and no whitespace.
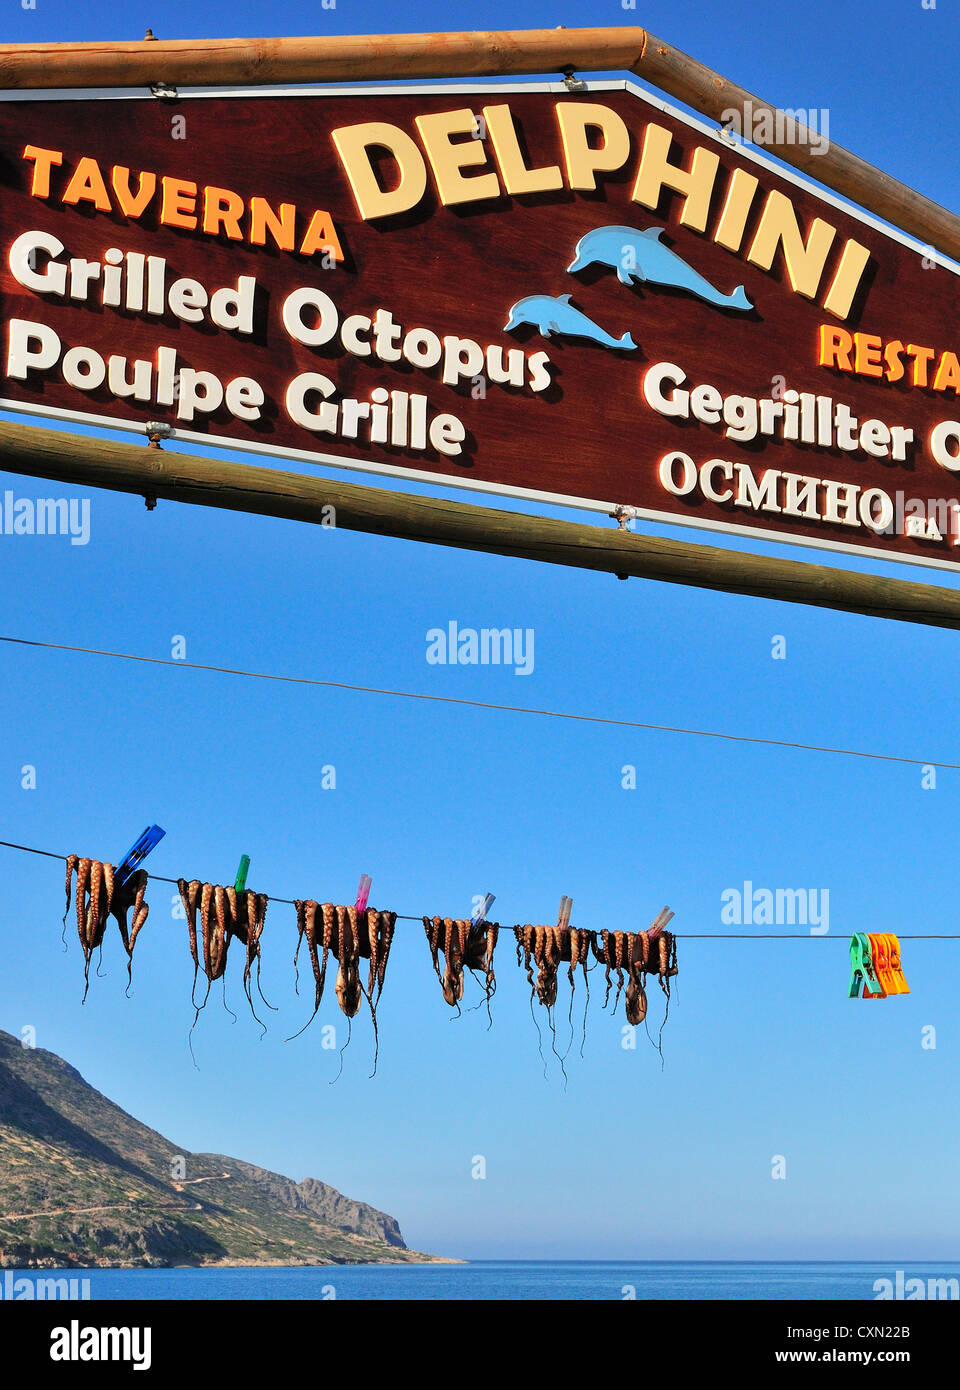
{"x":640,"y":256}
{"x":559,"y":316}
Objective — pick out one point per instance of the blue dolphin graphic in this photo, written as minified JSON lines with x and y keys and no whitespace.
{"x":559,"y":316}
{"x":641,"y":256}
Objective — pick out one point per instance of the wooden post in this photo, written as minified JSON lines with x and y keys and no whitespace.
{"x":163,"y":473}
{"x":386,"y":57}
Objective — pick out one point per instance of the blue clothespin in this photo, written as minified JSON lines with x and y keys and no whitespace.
{"x":479,"y":914}
{"x":241,"y":879}
{"x":134,"y":856}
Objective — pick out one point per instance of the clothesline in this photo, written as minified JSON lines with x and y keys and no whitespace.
{"x":687,"y":936}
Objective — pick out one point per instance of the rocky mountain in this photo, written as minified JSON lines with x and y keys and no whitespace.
{"x":82,"y":1183}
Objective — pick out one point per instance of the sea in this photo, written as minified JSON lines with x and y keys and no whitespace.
{"x":527,"y":1280}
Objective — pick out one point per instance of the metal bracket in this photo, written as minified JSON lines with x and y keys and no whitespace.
{"x":572,"y":82}
{"x":160,"y":89}
{"x":157,"y":430}
{"x":624,"y":515}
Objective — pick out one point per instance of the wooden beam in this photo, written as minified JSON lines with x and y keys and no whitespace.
{"x":387,"y":57}
{"x":333,"y":58}
{"x":208,"y":482}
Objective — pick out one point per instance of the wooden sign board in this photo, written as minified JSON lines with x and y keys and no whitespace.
{"x":578,"y":297}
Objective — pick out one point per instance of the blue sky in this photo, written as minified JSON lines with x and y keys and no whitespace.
{"x":764,"y":1054}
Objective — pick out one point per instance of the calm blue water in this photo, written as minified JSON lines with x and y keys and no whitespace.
{"x":527,"y":1280}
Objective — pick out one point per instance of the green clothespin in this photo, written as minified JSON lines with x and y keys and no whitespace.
{"x":862,"y":970}
{"x":241,"y":883}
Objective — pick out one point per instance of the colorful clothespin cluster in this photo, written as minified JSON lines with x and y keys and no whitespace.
{"x":875,"y":966}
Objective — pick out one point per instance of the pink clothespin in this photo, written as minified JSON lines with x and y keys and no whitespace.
{"x":660,"y":921}
{"x":363,"y":892}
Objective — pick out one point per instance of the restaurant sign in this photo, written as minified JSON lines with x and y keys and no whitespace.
{"x":582,"y":297}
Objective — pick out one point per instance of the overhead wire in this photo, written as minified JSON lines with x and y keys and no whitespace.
{"x":485,"y":704}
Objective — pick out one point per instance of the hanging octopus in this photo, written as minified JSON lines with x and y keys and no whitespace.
{"x":213,"y":928}
{"x":224,"y":913}
{"x":547,"y":947}
{"x":638,"y":954}
{"x":461,"y":946}
{"x":246,"y":914}
{"x":98,"y":899}
{"x":349,"y":935}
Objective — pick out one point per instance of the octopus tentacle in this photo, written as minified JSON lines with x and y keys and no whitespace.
{"x":92,"y":927}
{"x":431,"y":925}
{"x":608,"y":961}
{"x":493,"y":932}
{"x":388,"y":922}
{"x":218,"y":937}
{"x":449,"y":978}
{"x":72,"y":863}
{"x":141,"y":908}
{"x":235,"y":911}
{"x":328,"y":942}
{"x":206,"y":901}
{"x":619,"y":961}
{"x":262,"y":902}
{"x":83,"y":878}
{"x":108,"y":873}
{"x":307,"y":929}
{"x":310,"y":927}
{"x":453,"y":972}
{"x":130,"y":895}
{"x":249,"y":910}
{"x":547,"y":956}
{"x":348,"y":980}
{"x":206,"y":934}
{"x":188,"y":896}
{"x":529,"y":946}
{"x":372,"y":920}
{"x":574,"y":956}
{"x":299,"y":906}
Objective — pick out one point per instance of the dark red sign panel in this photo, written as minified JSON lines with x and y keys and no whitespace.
{"x":581,"y":297}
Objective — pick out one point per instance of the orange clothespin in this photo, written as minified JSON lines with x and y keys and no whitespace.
{"x":896,"y":969}
{"x":885,"y":952}
{"x":880,"y":955}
